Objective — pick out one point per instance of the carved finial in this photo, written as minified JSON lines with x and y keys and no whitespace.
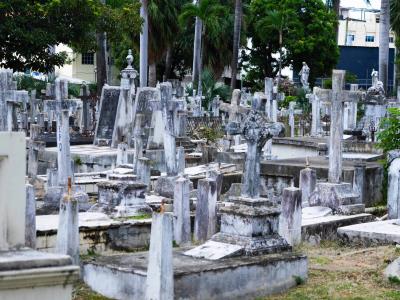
{"x":129,"y":58}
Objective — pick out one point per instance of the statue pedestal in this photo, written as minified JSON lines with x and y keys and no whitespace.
{"x":252,"y":224}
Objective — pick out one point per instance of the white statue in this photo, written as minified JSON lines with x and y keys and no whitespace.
{"x":374,"y":76}
{"x":304,"y":74}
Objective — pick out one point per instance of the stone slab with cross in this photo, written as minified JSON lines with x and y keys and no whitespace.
{"x":335,"y":194}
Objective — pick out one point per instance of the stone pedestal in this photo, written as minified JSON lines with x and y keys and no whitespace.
{"x":33,"y":275}
{"x":122,"y":198}
{"x":252,"y":224}
{"x":340,"y":197}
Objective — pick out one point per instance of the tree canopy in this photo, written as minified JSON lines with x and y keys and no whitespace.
{"x":29,"y":28}
{"x":307,"y":31}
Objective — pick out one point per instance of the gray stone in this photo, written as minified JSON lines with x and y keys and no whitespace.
{"x":290,"y":217}
{"x":63,"y":146}
{"x":160,"y":273}
{"x":144,"y":170}
{"x":392,"y":271}
{"x":30,"y":219}
{"x":214,"y":251}
{"x":68,"y":228}
{"x":336,"y":197}
{"x":308,"y":181}
{"x":206,"y":209}
{"x":122,"y":154}
{"x":180,"y":160}
{"x":182,"y":231}
{"x":165,"y":186}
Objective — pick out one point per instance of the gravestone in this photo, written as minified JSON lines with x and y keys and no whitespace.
{"x":124,"y":119}
{"x":393,"y":201}
{"x":160,"y":273}
{"x":338,"y":196}
{"x":107,"y":115}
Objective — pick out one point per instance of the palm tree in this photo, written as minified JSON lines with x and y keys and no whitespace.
{"x":236,"y":42}
{"x":384,"y":28}
{"x":274,"y":21}
{"x":144,"y":40}
{"x":210,"y":13}
{"x":163,"y":30}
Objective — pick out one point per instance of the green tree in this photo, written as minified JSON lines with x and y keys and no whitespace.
{"x":306,"y":30}
{"x":29,"y":28}
{"x":389,"y":136}
{"x":395,"y":23}
{"x":212,"y":15}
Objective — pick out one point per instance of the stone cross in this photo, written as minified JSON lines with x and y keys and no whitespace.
{"x":256,"y":132}
{"x":337,"y":96}
{"x":63,"y":149}
{"x":86,"y":114}
{"x":14,"y":99}
{"x":34,"y":148}
{"x":168,"y":107}
{"x":6,"y":84}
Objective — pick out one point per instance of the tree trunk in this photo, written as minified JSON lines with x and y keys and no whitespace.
{"x":384,"y":28}
{"x":236,"y":42}
{"x":144,"y":41}
{"x":336,"y":9}
{"x":196,"y":49}
{"x":200,"y":66}
{"x":101,"y":69}
{"x":168,"y":63}
{"x":153,"y":74}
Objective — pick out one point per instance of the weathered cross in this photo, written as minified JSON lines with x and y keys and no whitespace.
{"x":337,"y":97}
{"x":256,"y":131}
{"x":169,"y":107}
{"x":34,"y":148}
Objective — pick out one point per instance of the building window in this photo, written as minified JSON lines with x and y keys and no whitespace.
{"x":378,"y":19}
{"x":352,"y":37}
{"x":370,"y":38}
{"x":391,"y":39}
{"x":88,"y":58}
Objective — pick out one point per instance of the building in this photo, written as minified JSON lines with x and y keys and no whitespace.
{"x":81,"y":66}
{"x":358,"y":40}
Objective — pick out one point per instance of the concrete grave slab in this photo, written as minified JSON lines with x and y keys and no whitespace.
{"x":214,"y":250}
{"x":374,"y":233}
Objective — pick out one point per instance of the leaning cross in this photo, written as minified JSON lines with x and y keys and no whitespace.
{"x":257,"y":132}
{"x":337,"y":96}
{"x":168,"y":107}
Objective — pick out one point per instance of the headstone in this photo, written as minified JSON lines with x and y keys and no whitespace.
{"x":206,"y":209}
{"x":160,"y":273}
{"x":124,"y":120}
{"x":182,"y":232}
{"x":107,"y":114}
{"x":143,"y":170}
{"x":34,"y":148}
{"x":308,"y":181}
{"x":269,"y":87}
{"x":250,"y":221}
{"x":393,"y":194}
{"x":30,"y":219}
{"x":338,"y":196}
{"x":63,"y":149}
{"x":290,"y":218}
{"x":13,"y":192}
{"x":180,"y":160}
{"x":68,"y":227}
{"x":291,"y":118}
{"x":315,"y":113}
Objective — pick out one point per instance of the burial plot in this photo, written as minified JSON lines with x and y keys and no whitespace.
{"x":107,"y":116}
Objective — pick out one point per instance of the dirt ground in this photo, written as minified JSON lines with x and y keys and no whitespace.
{"x":335,"y":272}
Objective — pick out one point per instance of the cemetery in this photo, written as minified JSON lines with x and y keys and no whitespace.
{"x":158,"y":180}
